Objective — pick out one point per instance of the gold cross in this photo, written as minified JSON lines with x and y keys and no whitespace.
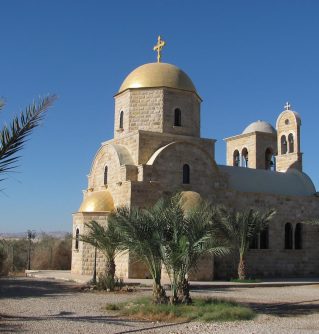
{"x":158,"y":47}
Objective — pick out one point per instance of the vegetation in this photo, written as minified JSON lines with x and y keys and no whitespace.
{"x":189,"y":235}
{"x":200,"y":309}
{"x":3,"y":257}
{"x":239,"y":228}
{"x":142,"y":234}
{"x":14,"y":136}
{"x":107,"y":240}
{"x":47,"y":253}
{"x":167,"y":234}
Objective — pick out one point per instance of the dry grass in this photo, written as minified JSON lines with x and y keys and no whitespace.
{"x":200,"y":310}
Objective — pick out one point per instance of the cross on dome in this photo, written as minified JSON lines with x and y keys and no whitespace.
{"x":158,"y":47}
{"x":287,"y":106}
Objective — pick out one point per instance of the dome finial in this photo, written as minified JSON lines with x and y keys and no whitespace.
{"x":158,"y":47}
{"x":287,"y":106}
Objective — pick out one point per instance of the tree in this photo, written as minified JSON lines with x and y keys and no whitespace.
{"x":189,"y":235}
{"x":30,"y":236}
{"x":107,"y":240}
{"x":142,"y":235}
{"x":14,"y":136}
{"x":165,"y":234}
{"x":239,"y":228}
{"x":3,"y":257}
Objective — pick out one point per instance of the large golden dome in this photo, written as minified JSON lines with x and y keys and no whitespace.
{"x":158,"y":75}
{"x":97,"y":201}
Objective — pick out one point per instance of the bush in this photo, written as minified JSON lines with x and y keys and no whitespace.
{"x":107,"y":283}
{"x":4,"y":268}
{"x":47,"y":252}
{"x":200,"y":310}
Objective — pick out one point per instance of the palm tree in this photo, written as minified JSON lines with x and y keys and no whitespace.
{"x":189,"y":235}
{"x":240,"y":228}
{"x":142,"y":234}
{"x":107,"y":240}
{"x":14,"y":136}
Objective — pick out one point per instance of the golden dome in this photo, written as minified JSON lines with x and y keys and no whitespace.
{"x":158,"y":75}
{"x":97,"y":201}
{"x":190,"y":199}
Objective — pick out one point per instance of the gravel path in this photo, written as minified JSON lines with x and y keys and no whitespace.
{"x":29,"y":305}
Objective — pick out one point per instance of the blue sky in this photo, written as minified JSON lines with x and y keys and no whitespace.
{"x":246,"y":58}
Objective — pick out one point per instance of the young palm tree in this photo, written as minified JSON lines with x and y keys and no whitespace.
{"x":142,"y":234}
{"x":189,"y":235}
{"x":14,"y":136}
{"x":107,"y":240}
{"x":240,"y":228}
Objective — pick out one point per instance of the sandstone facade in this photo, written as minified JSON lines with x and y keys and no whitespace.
{"x":157,"y":133}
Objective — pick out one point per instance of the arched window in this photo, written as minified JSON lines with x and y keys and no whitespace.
{"x":283,"y":144}
{"x":253,"y":243}
{"x":298,"y":236}
{"x":121,"y":119}
{"x":288,"y":236}
{"x":177,"y":117}
{"x":291,"y":143}
{"x":269,"y":159}
{"x":264,"y":238}
{"x":186,"y":174}
{"x":244,"y":157}
{"x":105,"y":175}
{"x":77,"y":238}
{"x":236,"y":159}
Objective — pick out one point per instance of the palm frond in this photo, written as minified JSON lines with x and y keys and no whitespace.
{"x":105,"y":238}
{"x":14,"y":136}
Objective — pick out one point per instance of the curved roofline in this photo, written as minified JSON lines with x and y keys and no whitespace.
{"x":290,"y":183}
{"x":297,"y":117}
{"x":123,"y":155}
{"x":156,"y":154}
{"x":97,"y":201}
{"x":157,"y":74}
{"x":267,"y":127}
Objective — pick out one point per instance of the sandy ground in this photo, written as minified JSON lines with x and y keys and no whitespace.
{"x":30,"y":305}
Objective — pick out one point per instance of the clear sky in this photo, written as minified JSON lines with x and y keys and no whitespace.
{"x":246,"y":58}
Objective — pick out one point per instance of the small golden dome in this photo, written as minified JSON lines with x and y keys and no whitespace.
{"x":190,"y":199}
{"x":158,"y":75}
{"x":97,"y":201}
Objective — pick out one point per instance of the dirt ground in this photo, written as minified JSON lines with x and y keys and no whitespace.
{"x":30,"y":305}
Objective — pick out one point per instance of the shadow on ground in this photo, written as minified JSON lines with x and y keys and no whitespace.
{"x":304,"y":307}
{"x":22,"y":287}
{"x":5,"y":322}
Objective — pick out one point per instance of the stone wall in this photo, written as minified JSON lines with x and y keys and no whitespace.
{"x":289,"y":123}
{"x":152,"y":109}
{"x":276,"y":261}
{"x":256,"y":144}
{"x":83,"y":257}
{"x":189,"y":105}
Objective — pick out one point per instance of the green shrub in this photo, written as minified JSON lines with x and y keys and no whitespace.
{"x":108,"y":283}
{"x":200,"y":310}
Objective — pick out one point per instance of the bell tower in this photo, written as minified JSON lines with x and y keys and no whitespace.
{"x":288,"y":140}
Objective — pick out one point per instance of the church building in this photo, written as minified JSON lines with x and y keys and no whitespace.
{"x":157,"y":150}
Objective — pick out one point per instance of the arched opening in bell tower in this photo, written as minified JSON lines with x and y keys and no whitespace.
{"x":270,"y":163}
{"x":236,"y":158}
{"x":283,"y":142}
{"x":244,"y":157}
{"x":291,"y":143}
